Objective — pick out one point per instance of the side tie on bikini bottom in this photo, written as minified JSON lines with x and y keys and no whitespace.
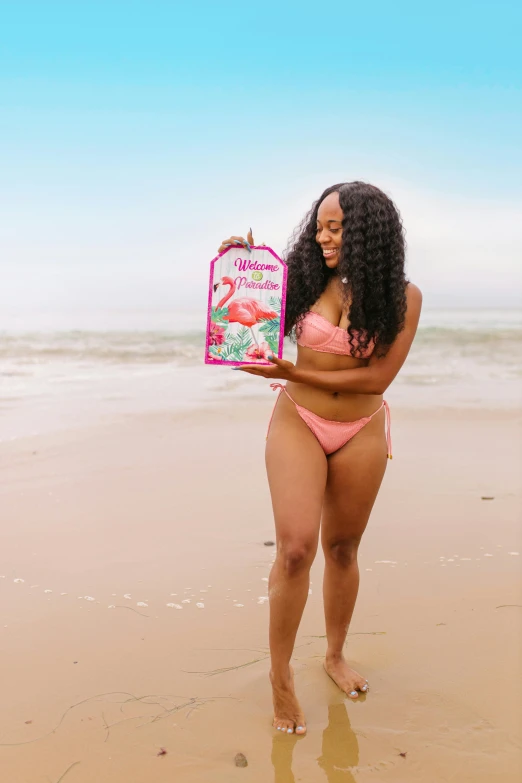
{"x":332,"y":435}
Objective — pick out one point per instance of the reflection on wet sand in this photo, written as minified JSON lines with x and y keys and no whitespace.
{"x":340,"y":750}
{"x":340,"y":747}
{"x":282,"y":749}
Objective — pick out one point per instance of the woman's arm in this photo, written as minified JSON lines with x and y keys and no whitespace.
{"x":372,"y":379}
{"x":380,"y":371}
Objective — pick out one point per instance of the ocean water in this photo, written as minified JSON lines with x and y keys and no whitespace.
{"x":58,"y":371}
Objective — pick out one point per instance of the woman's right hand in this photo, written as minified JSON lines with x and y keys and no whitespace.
{"x":237,"y":242}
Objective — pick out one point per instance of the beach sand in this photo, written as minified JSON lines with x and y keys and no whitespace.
{"x":108,"y":525}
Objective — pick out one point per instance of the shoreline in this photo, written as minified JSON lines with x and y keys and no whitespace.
{"x":232,"y":397}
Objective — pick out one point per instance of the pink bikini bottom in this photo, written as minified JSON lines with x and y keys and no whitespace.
{"x":332,"y":435}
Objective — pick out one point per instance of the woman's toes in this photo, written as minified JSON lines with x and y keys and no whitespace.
{"x":289,"y":727}
{"x":363,"y":687}
{"x":353,"y":695}
{"x":282,"y":725}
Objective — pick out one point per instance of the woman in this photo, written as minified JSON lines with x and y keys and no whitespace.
{"x":354,"y":315}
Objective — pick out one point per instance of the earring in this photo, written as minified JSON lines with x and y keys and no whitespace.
{"x":344,"y":280}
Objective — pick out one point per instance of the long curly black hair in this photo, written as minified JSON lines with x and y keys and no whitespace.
{"x":371,"y":259}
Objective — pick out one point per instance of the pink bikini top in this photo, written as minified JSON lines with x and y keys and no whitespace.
{"x":318,"y":333}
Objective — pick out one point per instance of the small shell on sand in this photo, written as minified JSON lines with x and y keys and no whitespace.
{"x":141,"y":603}
{"x":127,"y":596}
{"x":239,"y":605}
{"x":186,"y":601}
{"x":18,"y":580}
{"x":175,"y":606}
{"x":392,"y":562}
{"x":88,"y":597}
{"x":48,"y":591}
{"x":200,"y":605}
{"x":513,"y":553}
{"x":240,"y":760}
{"x":487,"y":554}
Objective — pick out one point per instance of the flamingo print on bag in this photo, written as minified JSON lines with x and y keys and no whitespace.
{"x":245,"y":311}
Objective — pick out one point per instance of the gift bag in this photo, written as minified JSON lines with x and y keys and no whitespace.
{"x":246,"y":306}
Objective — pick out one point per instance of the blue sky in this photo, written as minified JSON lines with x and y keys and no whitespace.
{"x":134,"y":136}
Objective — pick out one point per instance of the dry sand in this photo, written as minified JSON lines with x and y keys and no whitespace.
{"x":152,"y":508}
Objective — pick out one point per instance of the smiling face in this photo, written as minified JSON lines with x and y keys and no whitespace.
{"x":330,"y":229}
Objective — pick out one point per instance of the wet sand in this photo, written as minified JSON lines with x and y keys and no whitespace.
{"x":119,"y":521}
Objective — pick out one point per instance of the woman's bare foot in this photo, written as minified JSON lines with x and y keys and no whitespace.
{"x":288,"y":715}
{"x":348,"y":680}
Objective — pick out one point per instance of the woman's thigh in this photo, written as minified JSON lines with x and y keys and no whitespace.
{"x":296,"y":468}
{"x":355,"y":473}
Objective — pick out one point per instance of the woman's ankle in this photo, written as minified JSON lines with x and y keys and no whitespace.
{"x":281,"y":674}
{"x":334,"y":656}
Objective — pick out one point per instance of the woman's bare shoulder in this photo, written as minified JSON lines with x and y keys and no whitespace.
{"x":413,"y":304}
{"x":413,"y":293}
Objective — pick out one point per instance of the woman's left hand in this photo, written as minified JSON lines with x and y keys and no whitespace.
{"x":279,"y":368}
